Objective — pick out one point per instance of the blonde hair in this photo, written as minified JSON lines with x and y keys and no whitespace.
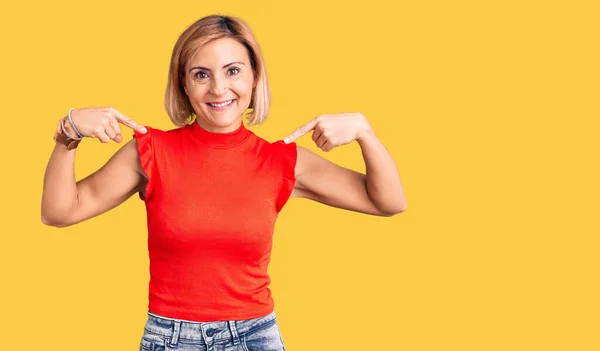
{"x":201,"y":32}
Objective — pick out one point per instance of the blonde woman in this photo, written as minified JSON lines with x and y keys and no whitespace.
{"x":213,"y":189}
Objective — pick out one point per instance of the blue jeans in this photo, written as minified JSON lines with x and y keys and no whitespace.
{"x":257,"y":334}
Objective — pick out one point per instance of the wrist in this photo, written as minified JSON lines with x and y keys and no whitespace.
{"x":68,"y":130}
{"x":69,"y":118}
{"x":62,"y":136}
{"x":365,"y":135}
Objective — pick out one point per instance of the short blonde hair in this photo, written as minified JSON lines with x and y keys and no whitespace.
{"x":201,"y":32}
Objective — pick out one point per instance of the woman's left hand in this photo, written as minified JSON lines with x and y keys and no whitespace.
{"x":333,"y":130}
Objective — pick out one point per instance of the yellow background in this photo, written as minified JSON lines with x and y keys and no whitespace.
{"x":490,"y":110}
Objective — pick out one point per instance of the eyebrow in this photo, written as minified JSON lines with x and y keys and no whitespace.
{"x":208,"y":69}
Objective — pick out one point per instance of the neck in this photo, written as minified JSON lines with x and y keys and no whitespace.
{"x":218,"y":129}
{"x":219,"y":138}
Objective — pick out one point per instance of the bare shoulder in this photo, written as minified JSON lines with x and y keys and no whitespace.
{"x":127,"y":158}
{"x":123,"y":167}
{"x":132,"y":155}
{"x":308,"y":160}
{"x":313,"y":171}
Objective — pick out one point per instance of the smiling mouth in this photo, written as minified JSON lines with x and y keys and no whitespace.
{"x":221,"y":104}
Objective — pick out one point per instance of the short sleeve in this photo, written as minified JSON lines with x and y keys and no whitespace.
{"x":146,"y":152}
{"x":287,"y":156}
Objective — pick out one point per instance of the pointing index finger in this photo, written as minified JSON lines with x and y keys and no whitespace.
{"x":129,"y":122}
{"x":301,"y":131}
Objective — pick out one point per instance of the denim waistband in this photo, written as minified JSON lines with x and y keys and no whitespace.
{"x":174,"y":329}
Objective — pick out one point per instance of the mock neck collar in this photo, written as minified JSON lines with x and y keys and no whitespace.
{"x":219,"y":140}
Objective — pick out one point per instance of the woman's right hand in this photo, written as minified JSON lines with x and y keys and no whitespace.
{"x":102,"y":123}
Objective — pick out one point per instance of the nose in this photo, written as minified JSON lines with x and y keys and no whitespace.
{"x":218,"y":86}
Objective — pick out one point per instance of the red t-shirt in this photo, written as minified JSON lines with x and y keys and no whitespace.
{"x":211,"y":201}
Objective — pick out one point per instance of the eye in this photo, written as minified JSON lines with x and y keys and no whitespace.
{"x":200,"y":74}
{"x":237,"y":70}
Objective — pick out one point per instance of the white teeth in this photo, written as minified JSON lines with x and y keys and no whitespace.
{"x":221,"y":104}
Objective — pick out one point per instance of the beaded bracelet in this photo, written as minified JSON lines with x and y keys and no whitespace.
{"x":64,"y":130}
{"x":73,"y":125}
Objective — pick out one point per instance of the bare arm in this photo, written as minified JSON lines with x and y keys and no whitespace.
{"x":375,"y":193}
{"x":378,"y":192}
{"x":66,"y":202}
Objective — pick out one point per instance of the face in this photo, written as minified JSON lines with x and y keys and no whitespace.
{"x":219,"y":82}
